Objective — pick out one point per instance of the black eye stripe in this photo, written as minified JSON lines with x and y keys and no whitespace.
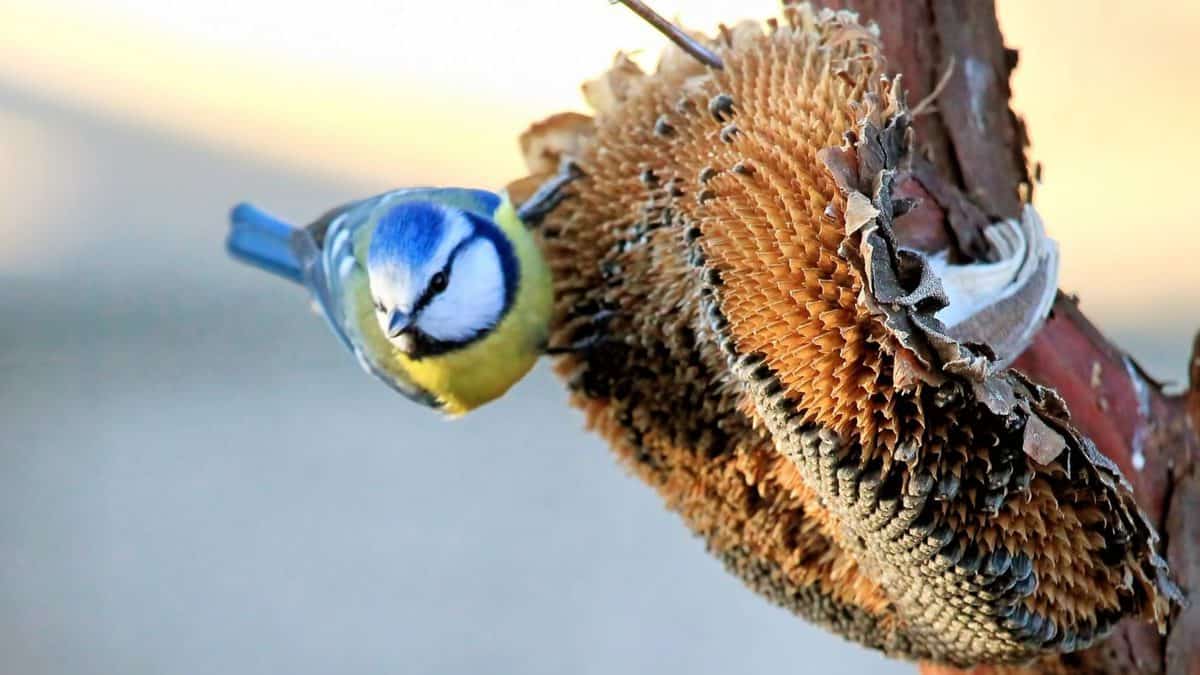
{"x":433,"y":289}
{"x":440,"y":280}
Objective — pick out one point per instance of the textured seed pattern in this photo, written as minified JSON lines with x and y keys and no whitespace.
{"x":724,"y":349}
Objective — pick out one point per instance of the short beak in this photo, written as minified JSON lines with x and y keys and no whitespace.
{"x":400,"y":329}
{"x":398,"y":323}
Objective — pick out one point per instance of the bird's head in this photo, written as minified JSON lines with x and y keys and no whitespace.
{"x":440,"y":277}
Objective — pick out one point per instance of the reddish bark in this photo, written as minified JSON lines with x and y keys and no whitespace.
{"x":972,"y":169}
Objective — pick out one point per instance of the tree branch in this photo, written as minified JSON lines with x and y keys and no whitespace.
{"x":973,"y":171}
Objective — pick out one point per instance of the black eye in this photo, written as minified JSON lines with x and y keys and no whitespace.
{"x":438,"y":283}
{"x":379,"y":307}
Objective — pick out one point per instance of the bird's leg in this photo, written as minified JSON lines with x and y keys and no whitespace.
{"x":593,"y":336}
{"x":578,"y":346}
{"x":549,"y":194}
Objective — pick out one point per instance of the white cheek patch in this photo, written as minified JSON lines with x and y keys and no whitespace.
{"x":474,"y":300}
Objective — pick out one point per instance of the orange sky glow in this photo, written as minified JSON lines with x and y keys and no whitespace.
{"x":406,"y":92}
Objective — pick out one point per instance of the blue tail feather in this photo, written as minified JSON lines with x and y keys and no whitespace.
{"x":260,"y":239}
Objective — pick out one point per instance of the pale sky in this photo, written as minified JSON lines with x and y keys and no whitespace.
{"x":392,"y":92}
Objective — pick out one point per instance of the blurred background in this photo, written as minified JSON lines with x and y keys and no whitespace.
{"x":195,"y":478}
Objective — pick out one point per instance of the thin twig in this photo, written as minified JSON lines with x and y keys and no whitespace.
{"x":675,"y":34}
{"x":926,"y":103}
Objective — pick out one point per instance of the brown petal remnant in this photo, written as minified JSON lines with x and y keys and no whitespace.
{"x":761,"y":347}
{"x":859,"y":212}
{"x":544,"y":144}
{"x":1042,"y":443}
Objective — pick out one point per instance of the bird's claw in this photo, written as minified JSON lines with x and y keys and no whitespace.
{"x":549,"y":195}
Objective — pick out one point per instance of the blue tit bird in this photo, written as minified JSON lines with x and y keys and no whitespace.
{"x":442,"y":293}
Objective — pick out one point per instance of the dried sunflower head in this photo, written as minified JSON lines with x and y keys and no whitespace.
{"x":752,"y":337}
